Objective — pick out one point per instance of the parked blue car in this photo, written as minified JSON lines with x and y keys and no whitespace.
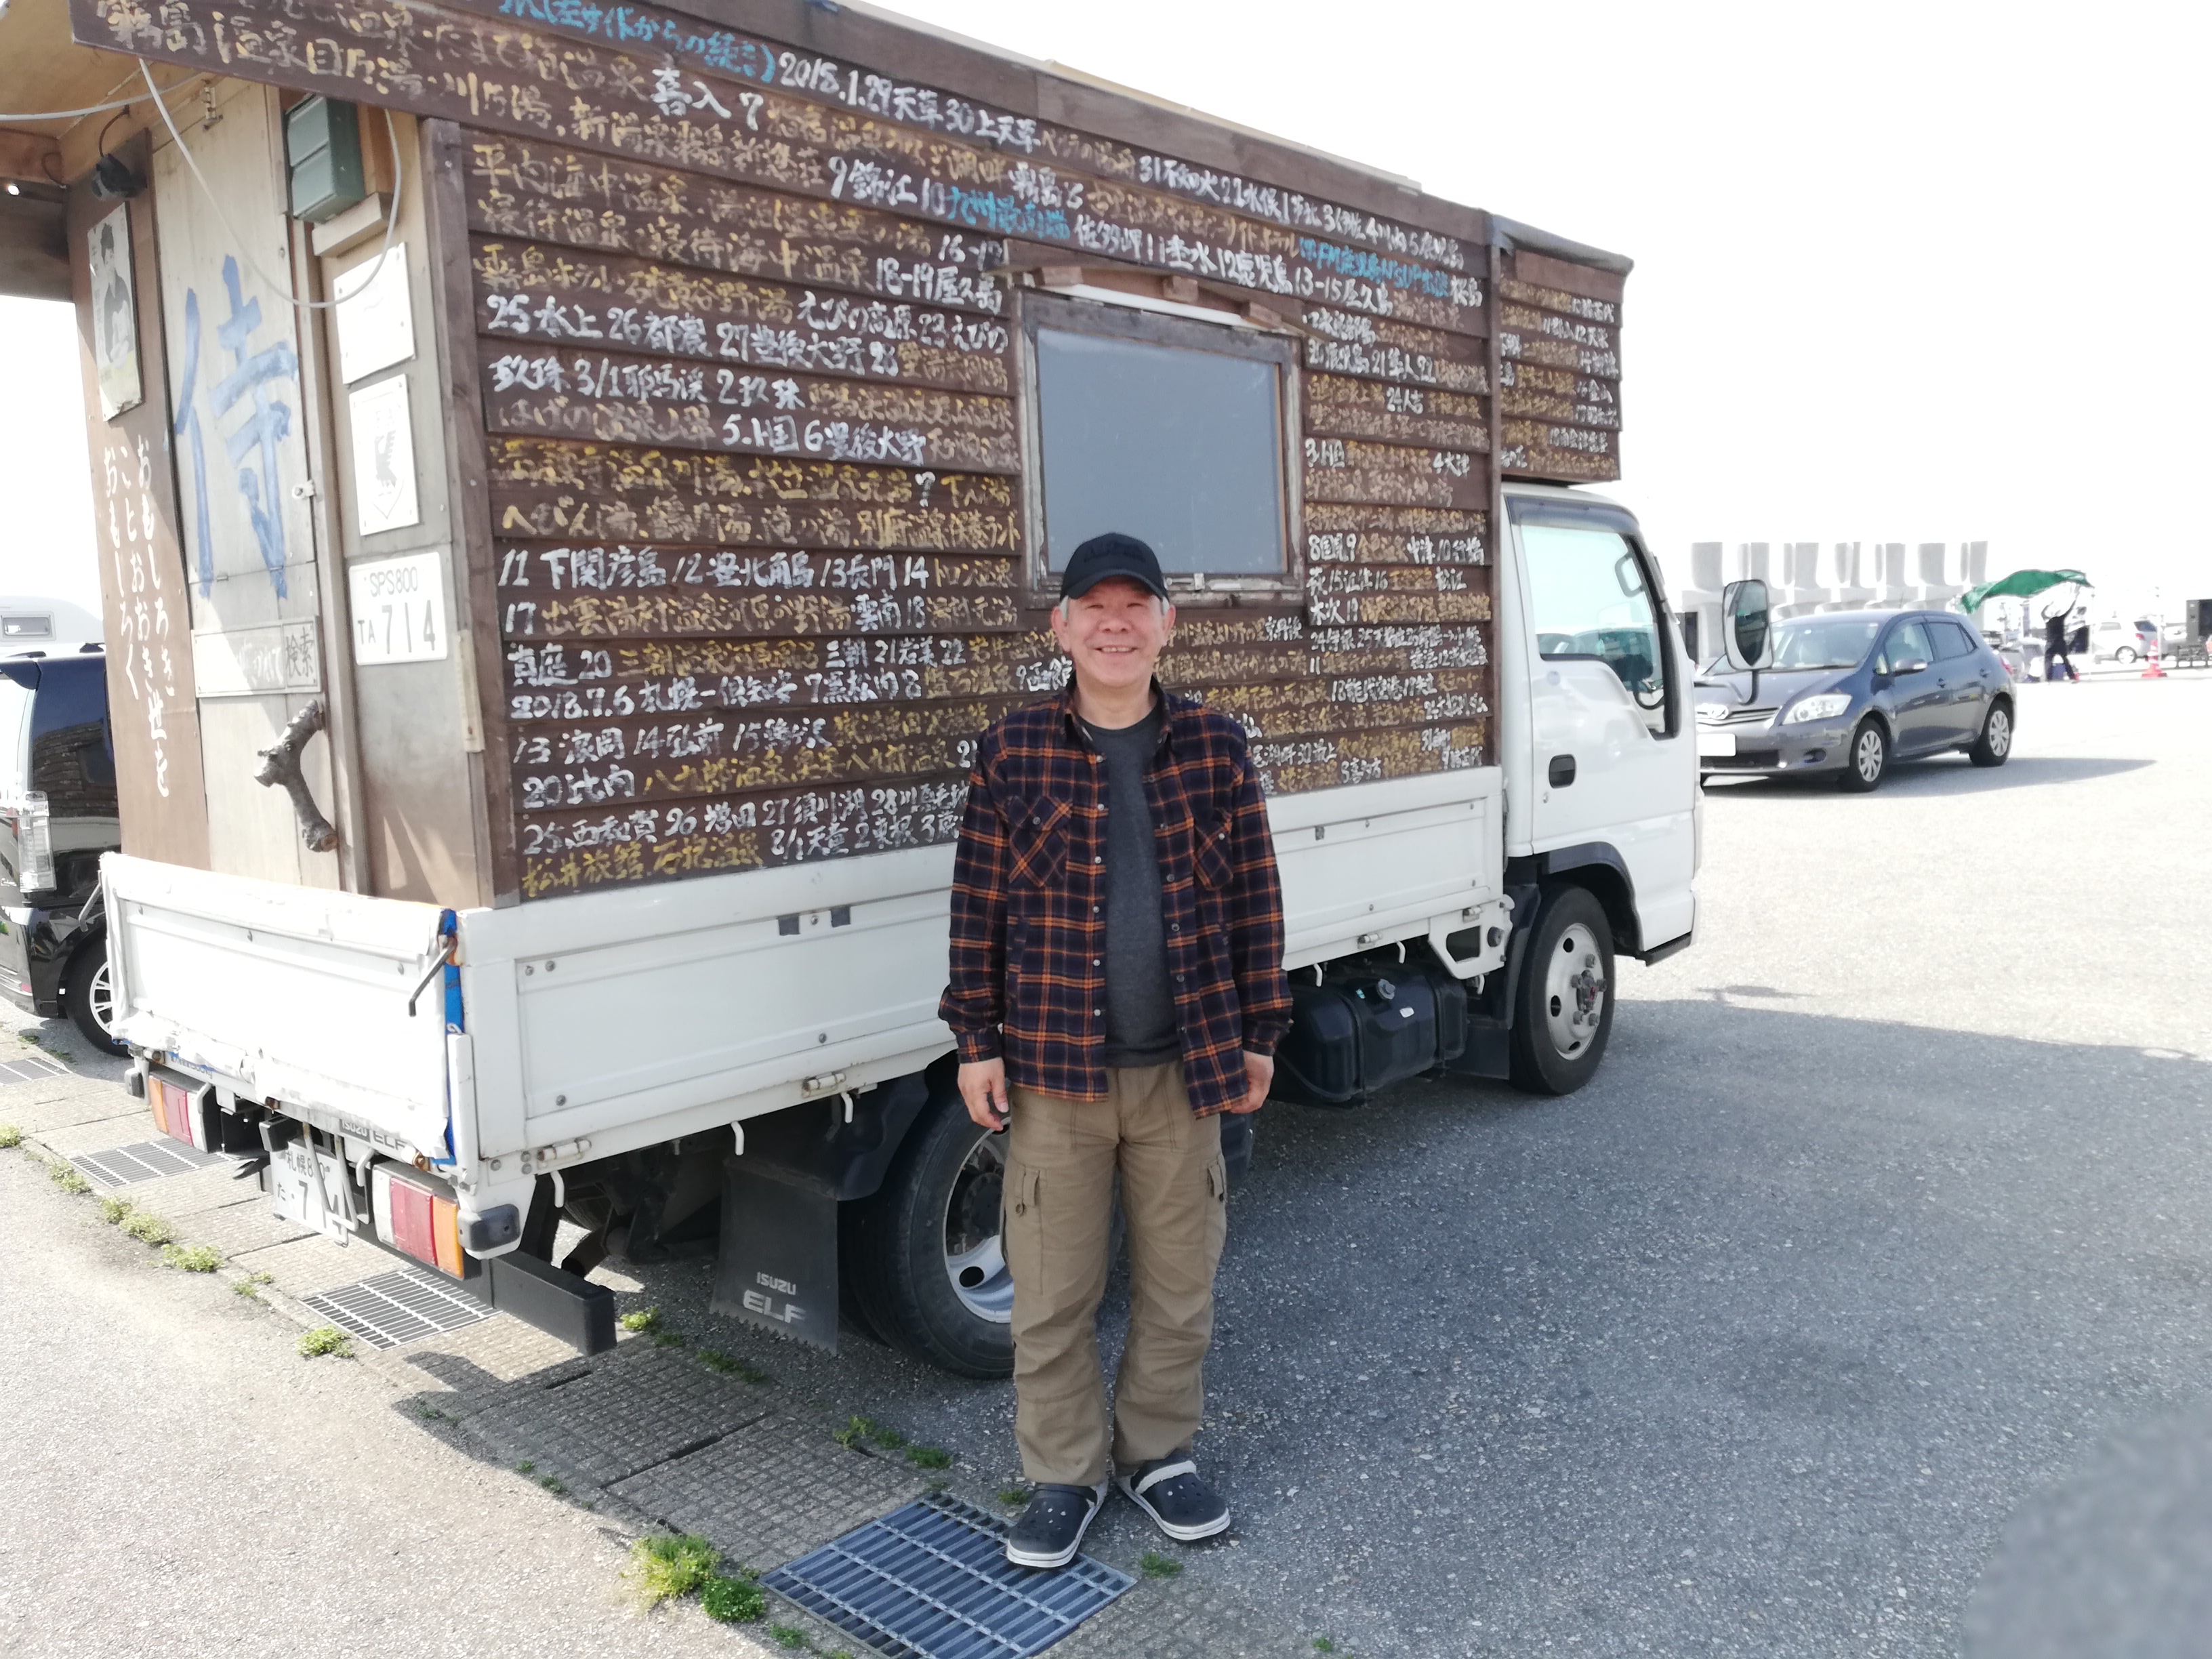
{"x":1852,"y":691}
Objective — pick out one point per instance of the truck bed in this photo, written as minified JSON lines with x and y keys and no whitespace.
{"x":591,"y":1025}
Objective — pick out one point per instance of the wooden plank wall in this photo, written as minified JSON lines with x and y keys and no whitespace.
{"x":740,"y":330}
{"x":1559,"y":341}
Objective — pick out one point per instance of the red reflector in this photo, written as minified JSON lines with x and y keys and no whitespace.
{"x":173,"y":1109}
{"x":415,"y":1220}
{"x":413,"y":1213}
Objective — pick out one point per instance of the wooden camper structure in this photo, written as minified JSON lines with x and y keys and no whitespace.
{"x":675,"y":491}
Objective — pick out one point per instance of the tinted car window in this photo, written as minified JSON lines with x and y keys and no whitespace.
{"x":1907,"y":642}
{"x":1950,"y":639}
{"x":71,"y":759}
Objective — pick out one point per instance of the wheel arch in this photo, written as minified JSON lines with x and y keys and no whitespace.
{"x":1597,"y":867}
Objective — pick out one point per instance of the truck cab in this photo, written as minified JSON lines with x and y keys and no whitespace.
{"x":1599,"y":753}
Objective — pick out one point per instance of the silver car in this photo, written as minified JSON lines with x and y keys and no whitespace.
{"x":1850,"y":691}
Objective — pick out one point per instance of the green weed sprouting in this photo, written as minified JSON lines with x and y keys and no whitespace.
{"x":640,"y":1319}
{"x":1157,"y":1565}
{"x":10,"y":1135}
{"x":192,"y":1258}
{"x":149,"y":1229}
{"x":326,"y":1340}
{"x":734,"y":1600}
{"x":670,"y":1565}
{"x":729,"y":1365}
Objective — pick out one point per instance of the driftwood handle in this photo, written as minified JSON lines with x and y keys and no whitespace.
{"x":281,"y":765}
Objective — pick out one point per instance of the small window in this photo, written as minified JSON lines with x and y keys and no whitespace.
{"x":1907,"y":642}
{"x":1588,"y":599}
{"x":1950,"y":640}
{"x":70,"y":741}
{"x":1169,"y":429}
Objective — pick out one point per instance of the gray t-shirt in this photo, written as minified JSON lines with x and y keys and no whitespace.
{"x":1141,"y":1010}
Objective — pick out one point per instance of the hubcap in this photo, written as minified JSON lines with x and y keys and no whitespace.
{"x":101,"y":996}
{"x":1870,"y":754}
{"x":2000,"y":731}
{"x":975,"y":1255}
{"x":1574,"y":992}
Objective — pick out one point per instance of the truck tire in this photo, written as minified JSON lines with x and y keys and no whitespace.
{"x":923,"y":1263}
{"x":1563,"y":1011}
{"x":1994,"y":743}
{"x":1868,"y":759}
{"x":89,"y":997}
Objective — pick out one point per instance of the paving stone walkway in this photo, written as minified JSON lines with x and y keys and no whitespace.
{"x":650,"y":1437}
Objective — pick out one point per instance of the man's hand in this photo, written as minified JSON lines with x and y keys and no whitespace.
{"x":983,"y":1088}
{"x":1259,"y":1074}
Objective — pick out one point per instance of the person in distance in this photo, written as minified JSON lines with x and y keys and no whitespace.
{"x":1116,"y":984}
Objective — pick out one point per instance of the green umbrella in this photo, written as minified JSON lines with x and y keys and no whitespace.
{"x":2018,"y":585}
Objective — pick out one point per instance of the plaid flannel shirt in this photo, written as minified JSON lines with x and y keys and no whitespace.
{"x":1028,"y":892}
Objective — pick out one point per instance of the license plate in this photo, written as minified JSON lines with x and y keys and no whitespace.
{"x":309,"y":1188}
{"x":1716,"y":742}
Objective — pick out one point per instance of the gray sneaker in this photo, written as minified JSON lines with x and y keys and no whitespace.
{"x":1051,"y":1529}
{"x":1181,"y":1504}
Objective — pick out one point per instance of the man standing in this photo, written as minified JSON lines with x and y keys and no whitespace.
{"x":1116,"y":983}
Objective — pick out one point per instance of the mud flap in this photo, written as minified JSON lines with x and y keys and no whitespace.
{"x":777,"y":1264}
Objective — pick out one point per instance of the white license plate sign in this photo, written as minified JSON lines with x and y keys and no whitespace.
{"x":1716,"y":742}
{"x":309,"y":1188}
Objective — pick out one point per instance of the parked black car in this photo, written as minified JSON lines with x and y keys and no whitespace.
{"x":1850,"y":690}
{"x":57,"y":815}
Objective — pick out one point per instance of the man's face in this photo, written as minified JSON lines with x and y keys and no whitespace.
{"x":1114,"y":634}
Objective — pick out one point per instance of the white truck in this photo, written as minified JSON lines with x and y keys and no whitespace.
{"x":768,"y":1041}
{"x":544,"y":674}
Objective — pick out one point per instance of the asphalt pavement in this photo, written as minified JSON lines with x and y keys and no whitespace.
{"x":1858,"y":1307}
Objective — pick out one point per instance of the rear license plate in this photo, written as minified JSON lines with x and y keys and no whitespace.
{"x":309,"y":1188}
{"x":1716,"y":742}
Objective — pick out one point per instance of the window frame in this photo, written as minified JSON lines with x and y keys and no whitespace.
{"x":1148,"y":324}
{"x":1967,"y":643}
{"x":1885,"y":662}
{"x":1568,"y":514}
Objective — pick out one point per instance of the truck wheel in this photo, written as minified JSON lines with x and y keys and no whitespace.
{"x":926,"y":1268}
{"x":1566,"y":1011}
{"x":88,"y":995}
{"x":1996,"y":742}
{"x":1868,"y":757}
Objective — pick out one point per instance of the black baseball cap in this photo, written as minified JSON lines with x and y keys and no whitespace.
{"x":1104,"y":557}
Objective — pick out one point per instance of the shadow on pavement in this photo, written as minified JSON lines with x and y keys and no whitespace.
{"x":1758,"y":1345}
{"x":1945,"y":774}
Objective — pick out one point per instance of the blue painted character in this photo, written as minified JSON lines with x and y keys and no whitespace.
{"x":256,"y":439}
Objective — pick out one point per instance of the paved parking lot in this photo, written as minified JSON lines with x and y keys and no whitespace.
{"x":1859,"y":1307}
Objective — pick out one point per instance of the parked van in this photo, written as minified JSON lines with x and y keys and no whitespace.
{"x":57,"y":815}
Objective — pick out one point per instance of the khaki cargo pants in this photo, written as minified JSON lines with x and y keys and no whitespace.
{"x":1061,"y":1162}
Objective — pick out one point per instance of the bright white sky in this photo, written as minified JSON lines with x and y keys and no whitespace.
{"x":1919,"y":272}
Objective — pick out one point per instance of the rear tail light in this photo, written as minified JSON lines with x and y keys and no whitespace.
{"x":181,"y":1114}
{"x":34,"y":849}
{"x":417,"y":1218}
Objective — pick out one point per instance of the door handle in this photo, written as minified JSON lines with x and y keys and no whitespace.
{"x":1562,"y":770}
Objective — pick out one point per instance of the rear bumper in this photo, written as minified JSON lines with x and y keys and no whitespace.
{"x":34,"y":952}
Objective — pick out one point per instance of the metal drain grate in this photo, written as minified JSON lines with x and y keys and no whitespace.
{"x":28,"y":1068}
{"x":932,"y":1581}
{"x":396,"y":1308}
{"x":144,"y":1160}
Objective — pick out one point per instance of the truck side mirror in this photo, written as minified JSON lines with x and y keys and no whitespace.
{"x":1747,"y":633}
